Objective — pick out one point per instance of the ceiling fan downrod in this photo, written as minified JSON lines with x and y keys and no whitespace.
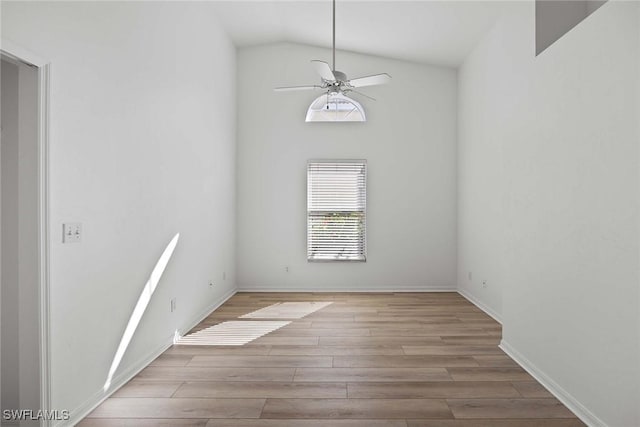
{"x":337,"y":82}
{"x":334,"y":35}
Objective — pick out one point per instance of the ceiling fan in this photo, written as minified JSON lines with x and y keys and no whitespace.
{"x":335,"y":82}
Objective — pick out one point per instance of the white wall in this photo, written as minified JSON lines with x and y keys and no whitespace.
{"x":142,"y":147}
{"x":555,"y":140}
{"x":409,"y":142}
{"x":481,"y":249}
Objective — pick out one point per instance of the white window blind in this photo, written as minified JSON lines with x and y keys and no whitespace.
{"x":336,"y":210}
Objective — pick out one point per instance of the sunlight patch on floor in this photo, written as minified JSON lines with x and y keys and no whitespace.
{"x":287,"y":310}
{"x":231,"y":333}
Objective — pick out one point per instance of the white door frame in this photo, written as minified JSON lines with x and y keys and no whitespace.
{"x":43,"y":66}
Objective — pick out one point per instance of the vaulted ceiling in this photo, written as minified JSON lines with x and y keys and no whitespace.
{"x":436,"y":32}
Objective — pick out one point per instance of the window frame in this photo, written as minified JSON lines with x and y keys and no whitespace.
{"x":364,"y":210}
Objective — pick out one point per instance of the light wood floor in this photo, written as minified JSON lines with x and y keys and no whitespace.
{"x":367,"y":360}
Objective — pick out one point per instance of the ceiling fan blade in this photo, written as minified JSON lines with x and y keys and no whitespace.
{"x":360,"y":93}
{"x":292,"y":88}
{"x":378,"y":79}
{"x":324,"y":70}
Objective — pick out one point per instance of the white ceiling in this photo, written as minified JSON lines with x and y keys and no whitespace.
{"x":436,"y":32}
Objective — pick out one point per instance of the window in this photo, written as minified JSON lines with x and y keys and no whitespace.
{"x":336,"y":210}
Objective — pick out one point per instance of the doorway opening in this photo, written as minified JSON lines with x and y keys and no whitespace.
{"x":24,"y":325}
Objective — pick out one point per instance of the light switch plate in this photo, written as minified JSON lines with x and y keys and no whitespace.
{"x":71,"y":232}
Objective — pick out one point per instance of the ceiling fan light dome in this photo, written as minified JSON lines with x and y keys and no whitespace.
{"x":335,"y":107}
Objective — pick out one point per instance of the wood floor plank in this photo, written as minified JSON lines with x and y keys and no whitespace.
{"x":386,"y":325}
{"x":178,"y":408}
{"x":295,"y":324}
{"x":171,"y":360}
{"x":322,"y":332}
{"x":467,"y":350}
{"x":371,"y":374}
{"x":243,"y":350}
{"x":299,"y":323}
{"x":285,"y":340}
{"x":443,"y":307}
{"x":428,"y":309}
{"x":180,"y":373}
{"x":508,"y":408}
{"x":531,"y":389}
{"x":356,"y":408}
{"x":471,"y":340}
{"x":139,"y":422}
{"x":432,"y":390}
{"x":263,"y":361}
{"x":498,"y":423}
{"x":333,"y":318}
{"x":138,"y":388}
{"x":346,"y":310}
{"x":495,"y":361}
{"x":337,"y":350}
{"x":394,"y":319}
{"x":307,"y":423}
{"x":477,"y":316}
{"x":380,"y":340}
{"x":489,"y":374}
{"x":263,"y":390}
{"x":403,"y":361}
{"x":431,"y":330}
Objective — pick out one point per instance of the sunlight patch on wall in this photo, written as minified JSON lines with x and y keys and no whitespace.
{"x":286,"y":310}
{"x":141,"y":306}
{"x":231,"y":333}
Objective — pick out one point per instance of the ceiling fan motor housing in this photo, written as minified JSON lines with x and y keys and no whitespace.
{"x":337,"y":85}
{"x":340,"y":76}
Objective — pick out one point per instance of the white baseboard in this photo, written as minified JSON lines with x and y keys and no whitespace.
{"x":473,"y":300}
{"x":561,"y":394}
{"x":76,"y":415}
{"x":348,"y":289}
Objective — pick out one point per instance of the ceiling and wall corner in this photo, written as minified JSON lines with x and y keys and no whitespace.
{"x":555,"y":18}
{"x":433,"y":32}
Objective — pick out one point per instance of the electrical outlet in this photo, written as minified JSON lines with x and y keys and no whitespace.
{"x":173,"y":305}
{"x":71,"y":232}
{"x":286,"y":268}
{"x":484,"y":283}
{"x":211,"y":283}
